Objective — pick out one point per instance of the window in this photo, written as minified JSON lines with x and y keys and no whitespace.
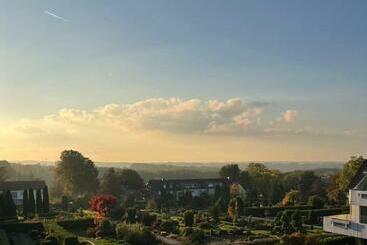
{"x":339,"y":224}
{"x":363,"y":214}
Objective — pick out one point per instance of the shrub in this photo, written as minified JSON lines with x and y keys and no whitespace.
{"x":135,"y":234}
{"x":293,"y":239}
{"x":188,"y":218}
{"x":63,"y":236}
{"x":104,"y":229}
{"x":103,"y":204}
{"x":117,"y":212}
{"x":147,"y":219}
{"x":316,"y":202}
{"x":205,"y":225}
{"x":196,"y":236}
{"x":170,"y":226}
{"x":131,"y":215}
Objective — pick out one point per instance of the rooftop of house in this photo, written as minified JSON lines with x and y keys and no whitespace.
{"x":22,"y":185}
{"x":180,"y":183}
{"x":359,"y":181}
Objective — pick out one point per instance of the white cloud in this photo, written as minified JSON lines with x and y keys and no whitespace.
{"x":167,"y":115}
{"x":289,"y":116}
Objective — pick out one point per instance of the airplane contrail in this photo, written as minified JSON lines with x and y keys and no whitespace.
{"x":55,"y":16}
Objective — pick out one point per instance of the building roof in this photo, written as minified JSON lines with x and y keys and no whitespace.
{"x":22,"y":185}
{"x":356,"y":182}
{"x":183,"y":183}
{"x":186,"y":181}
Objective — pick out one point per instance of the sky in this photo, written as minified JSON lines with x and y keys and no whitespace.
{"x":193,"y":80}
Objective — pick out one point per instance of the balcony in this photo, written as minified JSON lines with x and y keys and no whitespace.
{"x":344,"y":224}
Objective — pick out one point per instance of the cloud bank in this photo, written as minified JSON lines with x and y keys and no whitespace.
{"x":172,"y":115}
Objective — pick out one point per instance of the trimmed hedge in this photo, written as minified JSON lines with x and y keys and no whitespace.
{"x":325,"y":211}
{"x":342,"y":240}
{"x":63,"y":236}
{"x":271,"y":211}
{"x":76,"y":224}
{"x":21,"y":227}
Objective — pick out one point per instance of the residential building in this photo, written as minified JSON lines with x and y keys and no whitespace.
{"x":355,"y":223}
{"x":178,"y":187}
{"x":17,"y":188}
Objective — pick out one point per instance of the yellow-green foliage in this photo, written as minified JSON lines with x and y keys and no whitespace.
{"x":63,"y":236}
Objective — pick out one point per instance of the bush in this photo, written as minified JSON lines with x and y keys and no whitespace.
{"x":147,"y":219}
{"x":103,"y":204}
{"x":63,"y":236}
{"x":341,"y":240}
{"x":188,"y":218}
{"x":170,"y":226}
{"x":131,"y":215}
{"x":293,"y":239}
{"x":316,"y":202}
{"x":196,"y":236}
{"x":76,"y":224}
{"x":104,"y":229}
{"x":135,"y":234}
{"x":205,"y":225}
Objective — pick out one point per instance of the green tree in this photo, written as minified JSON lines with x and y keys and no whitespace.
{"x":335,"y":194}
{"x":235,"y":208}
{"x":111,"y":183}
{"x":64,"y":203}
{"x":76,"y":174}
{"x":291,"y":198}
{"x":25,"y":204}
{"x":188,"y":218}
{"x":285,"y":221}
{"x":31,"y":202}
{"x":231,"y":171}
{"x":316,"y":201}
{"x":296,"y":221}
{"x":131,"y":215}
{"x":39,"y":207}
{"x":3,"y":174}
{"x":8,"y":205}
{"x":45,"y":200}
{"x":131,"y":180}
{"x":214,"y":211}
{"x":350,"y":169}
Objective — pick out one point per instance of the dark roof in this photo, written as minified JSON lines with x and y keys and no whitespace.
{"x":360,"y":175}
{"x":22,"y":185}
{"x":187,"y":180}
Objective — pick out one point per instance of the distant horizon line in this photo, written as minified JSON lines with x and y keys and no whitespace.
{"x":182,"y":162}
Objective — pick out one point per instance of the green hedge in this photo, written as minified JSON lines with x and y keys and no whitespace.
{"x":325,"y":211}
{"x":21,"y":226}
{"x":63,"y":236}
{"x":343,"y":240}
{"x":271,"y":211}
{"x":76,"y":224}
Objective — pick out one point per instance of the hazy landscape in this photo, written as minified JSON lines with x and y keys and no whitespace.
{"x":192,"y":122}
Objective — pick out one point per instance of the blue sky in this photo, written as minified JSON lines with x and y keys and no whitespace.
{"x":307,"y":56}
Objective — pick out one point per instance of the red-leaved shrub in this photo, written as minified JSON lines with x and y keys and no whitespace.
{"x":103,"y":204}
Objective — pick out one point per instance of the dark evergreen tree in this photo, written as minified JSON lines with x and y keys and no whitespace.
{"x":296,"y":221}
{"x":31,"y":202}
{"x":38,"y":201}
{"x":45,"y":201}
{"x":1,"y":205}
{"x":10,"y":210}
{"x":25,"y":204}
{"x":64,"y":203}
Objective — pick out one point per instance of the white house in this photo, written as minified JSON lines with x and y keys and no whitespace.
{"x":17,"y":188}
{"x":355,"y":223}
